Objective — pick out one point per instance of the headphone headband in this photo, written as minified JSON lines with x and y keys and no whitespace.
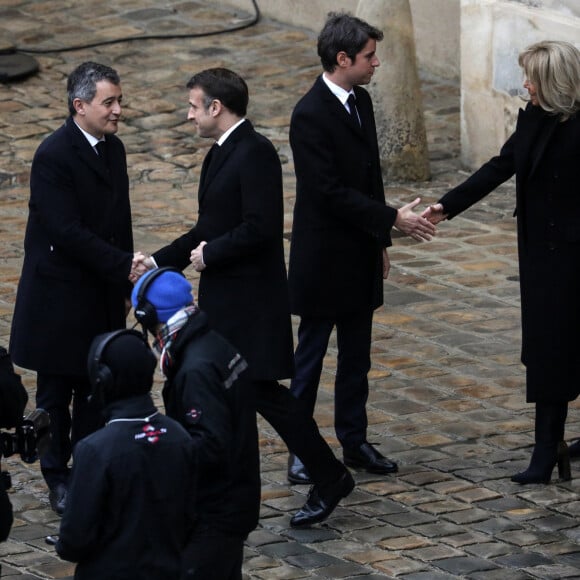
{"x":100,"y":374}
{"x":97,"y":377}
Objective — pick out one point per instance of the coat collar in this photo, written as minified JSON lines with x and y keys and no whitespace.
{"x":535,"y":128}
{"x":337,"y":109}
{"x":139,"y":406}
{"x":224,"y":151}
{"x":81,"y":144}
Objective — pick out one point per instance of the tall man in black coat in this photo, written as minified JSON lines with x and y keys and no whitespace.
{"x":78,"y":257}
{"x":237,"y":246}
{"x":341,"y":231}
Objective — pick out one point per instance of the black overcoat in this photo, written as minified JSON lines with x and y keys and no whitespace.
{"x":544,"y":155}
{"x":243,"y":289}
{"x":78,"y":250}
{"x":341,"y":223}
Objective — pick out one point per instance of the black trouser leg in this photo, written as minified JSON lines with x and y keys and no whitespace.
{"x":298,"y":430}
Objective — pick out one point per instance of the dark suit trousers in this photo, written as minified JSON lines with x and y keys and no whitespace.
{"x":351,"y":387}
{"x":54,"y":394}
{"x":298,"y":430}
{"x":211,"y":554}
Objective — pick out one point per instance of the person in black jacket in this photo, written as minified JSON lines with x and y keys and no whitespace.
{"x":78,"y":257}
{"x":202,"y":392}
{"x":13,"y":399}
{"x":131,"y":500}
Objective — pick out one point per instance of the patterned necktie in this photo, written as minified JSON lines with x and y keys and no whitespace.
{"x":352,"y":109}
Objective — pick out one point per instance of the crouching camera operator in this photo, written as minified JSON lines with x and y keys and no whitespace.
{"x":30,"y":436}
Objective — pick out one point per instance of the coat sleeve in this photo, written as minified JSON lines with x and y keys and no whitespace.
{"x":176,"y":254}
{"x":489,"y":176}
{"x":207,"y":418}
{"x":80,"y":526}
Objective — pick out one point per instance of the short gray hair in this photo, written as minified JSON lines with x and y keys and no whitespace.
{"x":82,"y":82}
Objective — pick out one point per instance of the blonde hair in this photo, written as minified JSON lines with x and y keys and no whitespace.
{"x":554,"y":68}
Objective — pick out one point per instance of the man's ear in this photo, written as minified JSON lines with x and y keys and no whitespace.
{"x":79,"y":106}
{"x":216,"y":107}
{"x":343,"y":60}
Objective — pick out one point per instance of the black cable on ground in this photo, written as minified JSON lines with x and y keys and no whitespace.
{"x":241,"y":26}
{"x":17,"y":64}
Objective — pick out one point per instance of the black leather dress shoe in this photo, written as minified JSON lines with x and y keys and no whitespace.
{"x":367,"y":457}
{"x":322,"y":501}
{"x":297,"y":473}
{"x":57,"y":498}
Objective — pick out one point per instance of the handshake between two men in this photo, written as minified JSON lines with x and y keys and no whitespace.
{"x":142,"y":263}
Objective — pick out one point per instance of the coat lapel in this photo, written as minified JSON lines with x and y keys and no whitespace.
{"x":535,"y":129}
{"x":211,"y":168}
{"x":85,"y":152}
{"x":339,"y":110}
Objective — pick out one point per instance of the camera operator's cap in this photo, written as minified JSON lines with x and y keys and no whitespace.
{"x":168,"y":292}
{"x":121,"y":364}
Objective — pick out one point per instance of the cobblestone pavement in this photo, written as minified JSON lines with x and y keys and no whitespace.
{"x":447,"y":392}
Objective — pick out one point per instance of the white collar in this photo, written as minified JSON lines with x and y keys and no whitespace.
{"x":341,"y":94}
{"x":221,"y":140}
{"x":92,"y":140}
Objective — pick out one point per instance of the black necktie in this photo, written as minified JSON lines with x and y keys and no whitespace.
{"x":352,"y":108}
{"x":102,"y":150}
{"x":209,"y":162}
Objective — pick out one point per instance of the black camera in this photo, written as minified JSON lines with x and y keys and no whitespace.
{"x":30,"y":439}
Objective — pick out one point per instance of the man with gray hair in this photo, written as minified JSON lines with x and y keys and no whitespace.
{"x":78,"y":257}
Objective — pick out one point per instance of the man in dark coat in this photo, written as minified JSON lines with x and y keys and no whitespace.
{"x":78,"y":256}
{"x":340,"y":233}
{"x":237,"y":246}
{"x":203,"y":392}
{"x":132,"y":494}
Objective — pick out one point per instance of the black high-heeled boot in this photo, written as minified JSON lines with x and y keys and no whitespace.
{"x":544,"y":459}
{"x":564,"y":469}
{"x":550,"y":449}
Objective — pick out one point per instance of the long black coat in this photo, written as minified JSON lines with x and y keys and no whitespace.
{"x":544,"y":155}
{"x":78,"y":251}
{"x":341,"y":223}
{"x":243,"y":288}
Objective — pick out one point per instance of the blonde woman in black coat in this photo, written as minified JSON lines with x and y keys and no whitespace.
{"x":543,"y":153}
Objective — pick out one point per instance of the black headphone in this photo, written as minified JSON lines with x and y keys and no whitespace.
{"x":145,"y":312}
{"x":100,"y":375}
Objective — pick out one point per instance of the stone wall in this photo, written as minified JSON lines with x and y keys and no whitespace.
{"x":493,"y":32}
{"x":474,"y":42}
{"x":436,"y":24}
